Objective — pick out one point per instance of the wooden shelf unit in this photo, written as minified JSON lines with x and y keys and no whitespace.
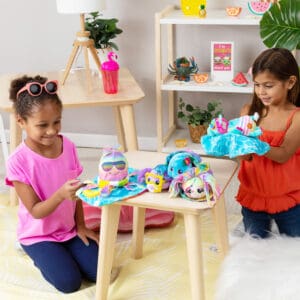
{"x":169,"y":17}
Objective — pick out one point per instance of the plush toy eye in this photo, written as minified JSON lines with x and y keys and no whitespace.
{"x":172,"y":169}
{"x":148,"y":179}
{"x":179,"y":172}
{"x":157,"y":182}
{"x":188,"y":190}
{"x":199,"y":190}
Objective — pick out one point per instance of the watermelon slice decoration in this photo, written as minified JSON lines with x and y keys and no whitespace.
{"x":240,"y":80}
{"x":258,"y":8}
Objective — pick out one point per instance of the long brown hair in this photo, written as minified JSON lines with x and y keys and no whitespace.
{"x":282,"y":64}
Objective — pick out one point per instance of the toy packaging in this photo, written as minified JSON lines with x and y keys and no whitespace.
{"x":234,"y":138}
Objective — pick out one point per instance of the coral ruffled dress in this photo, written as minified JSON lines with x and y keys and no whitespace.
{"x":266,"y":185}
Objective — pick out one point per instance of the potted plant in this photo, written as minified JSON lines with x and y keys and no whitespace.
{"x":280,"y":25}
{"x":198,"y":118}
{"x":102,"y":31}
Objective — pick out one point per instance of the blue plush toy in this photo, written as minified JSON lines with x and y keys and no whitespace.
{"x":234,"y":138}
{"x":179,"y":162}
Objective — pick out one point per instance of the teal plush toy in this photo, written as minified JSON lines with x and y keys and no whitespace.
{"x":234,"y":138}
{"x":179,"y":162}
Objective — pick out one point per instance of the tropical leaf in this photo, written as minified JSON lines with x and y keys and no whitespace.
{"x":280,"y":25}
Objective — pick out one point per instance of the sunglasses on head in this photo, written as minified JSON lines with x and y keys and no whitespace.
{"x":35,"y":88}
{"x":120,"y":165}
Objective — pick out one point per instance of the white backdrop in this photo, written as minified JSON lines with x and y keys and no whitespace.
{"x":36,"y":38}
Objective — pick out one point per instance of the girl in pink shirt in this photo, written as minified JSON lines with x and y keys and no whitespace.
{"x":43,"y":170}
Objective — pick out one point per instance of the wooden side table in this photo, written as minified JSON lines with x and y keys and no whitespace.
{"x":223,"y":169}
{"x":76,"y":93}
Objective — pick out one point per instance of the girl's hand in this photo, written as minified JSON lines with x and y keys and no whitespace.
{"x":69,"y":188}
{"x":247,"y":157}
{"x":84,"y":233}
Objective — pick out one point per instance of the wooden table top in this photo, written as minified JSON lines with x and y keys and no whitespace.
{"x":223,"y":170}
{"x":75,"y":91}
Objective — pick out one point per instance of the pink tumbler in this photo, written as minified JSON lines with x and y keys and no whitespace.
{"x":110,"y":74}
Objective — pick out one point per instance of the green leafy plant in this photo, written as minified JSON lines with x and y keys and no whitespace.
{"x":195,"y":115}
{"x":102,"y":30}
{"x":280,"y":25}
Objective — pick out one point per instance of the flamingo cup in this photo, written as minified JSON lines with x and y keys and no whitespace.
{"x":110,"y":74}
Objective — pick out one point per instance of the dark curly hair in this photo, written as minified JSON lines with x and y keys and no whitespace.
{"x":24,"y":102}
{"x":282,"y":64}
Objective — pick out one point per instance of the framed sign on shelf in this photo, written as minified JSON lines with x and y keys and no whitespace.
{"x":222,"y":61}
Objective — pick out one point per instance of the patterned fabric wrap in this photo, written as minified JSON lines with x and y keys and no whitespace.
{"x":96,"y":195}
{"x":234,"y":138}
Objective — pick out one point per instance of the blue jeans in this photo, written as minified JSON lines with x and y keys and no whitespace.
{"x":258,"y":224}
{"x":65,"y":264}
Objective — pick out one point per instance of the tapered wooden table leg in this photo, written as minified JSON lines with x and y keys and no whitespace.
{"x":108,"y":233}
{"x":195,"y":259}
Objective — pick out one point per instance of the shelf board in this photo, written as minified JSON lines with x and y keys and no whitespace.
{"x":169,"y":84}
{"x":213,"y":17}
{"x":182,"y":134}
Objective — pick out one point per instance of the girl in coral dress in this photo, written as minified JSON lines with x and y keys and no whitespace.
{"x":269,"y":184}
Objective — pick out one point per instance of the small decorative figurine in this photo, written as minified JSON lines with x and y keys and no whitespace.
{"x":259,"y":7}
{"x":240,"y":80}
{"x":182,"y":68}
{"x":201,"y":78}
{"x":202,"y":11}
{"x":233,"y":11}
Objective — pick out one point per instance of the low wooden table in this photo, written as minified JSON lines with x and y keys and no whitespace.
{"x":76,"y":93}
{"x":223,"y":169}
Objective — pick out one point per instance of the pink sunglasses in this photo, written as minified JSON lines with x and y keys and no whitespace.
{"x":35,"y":88}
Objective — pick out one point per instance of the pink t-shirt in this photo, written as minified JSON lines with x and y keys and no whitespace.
{"x":45,"y":176}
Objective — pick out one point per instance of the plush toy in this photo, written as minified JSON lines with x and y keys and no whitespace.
{"x":196,"y":185}
{"x":157,"y":179}
{"x":234,"y":138}
{"x":115,"y":180}
{"x":179,"y":162}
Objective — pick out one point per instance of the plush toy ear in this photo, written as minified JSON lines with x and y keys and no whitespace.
{"x":203,"y":167}
{"x":142,"y":174}
{"x":171,"y":155}
{"x":175,"y":186}
{"x":195,"y":158}
{"x":210,"y":184}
